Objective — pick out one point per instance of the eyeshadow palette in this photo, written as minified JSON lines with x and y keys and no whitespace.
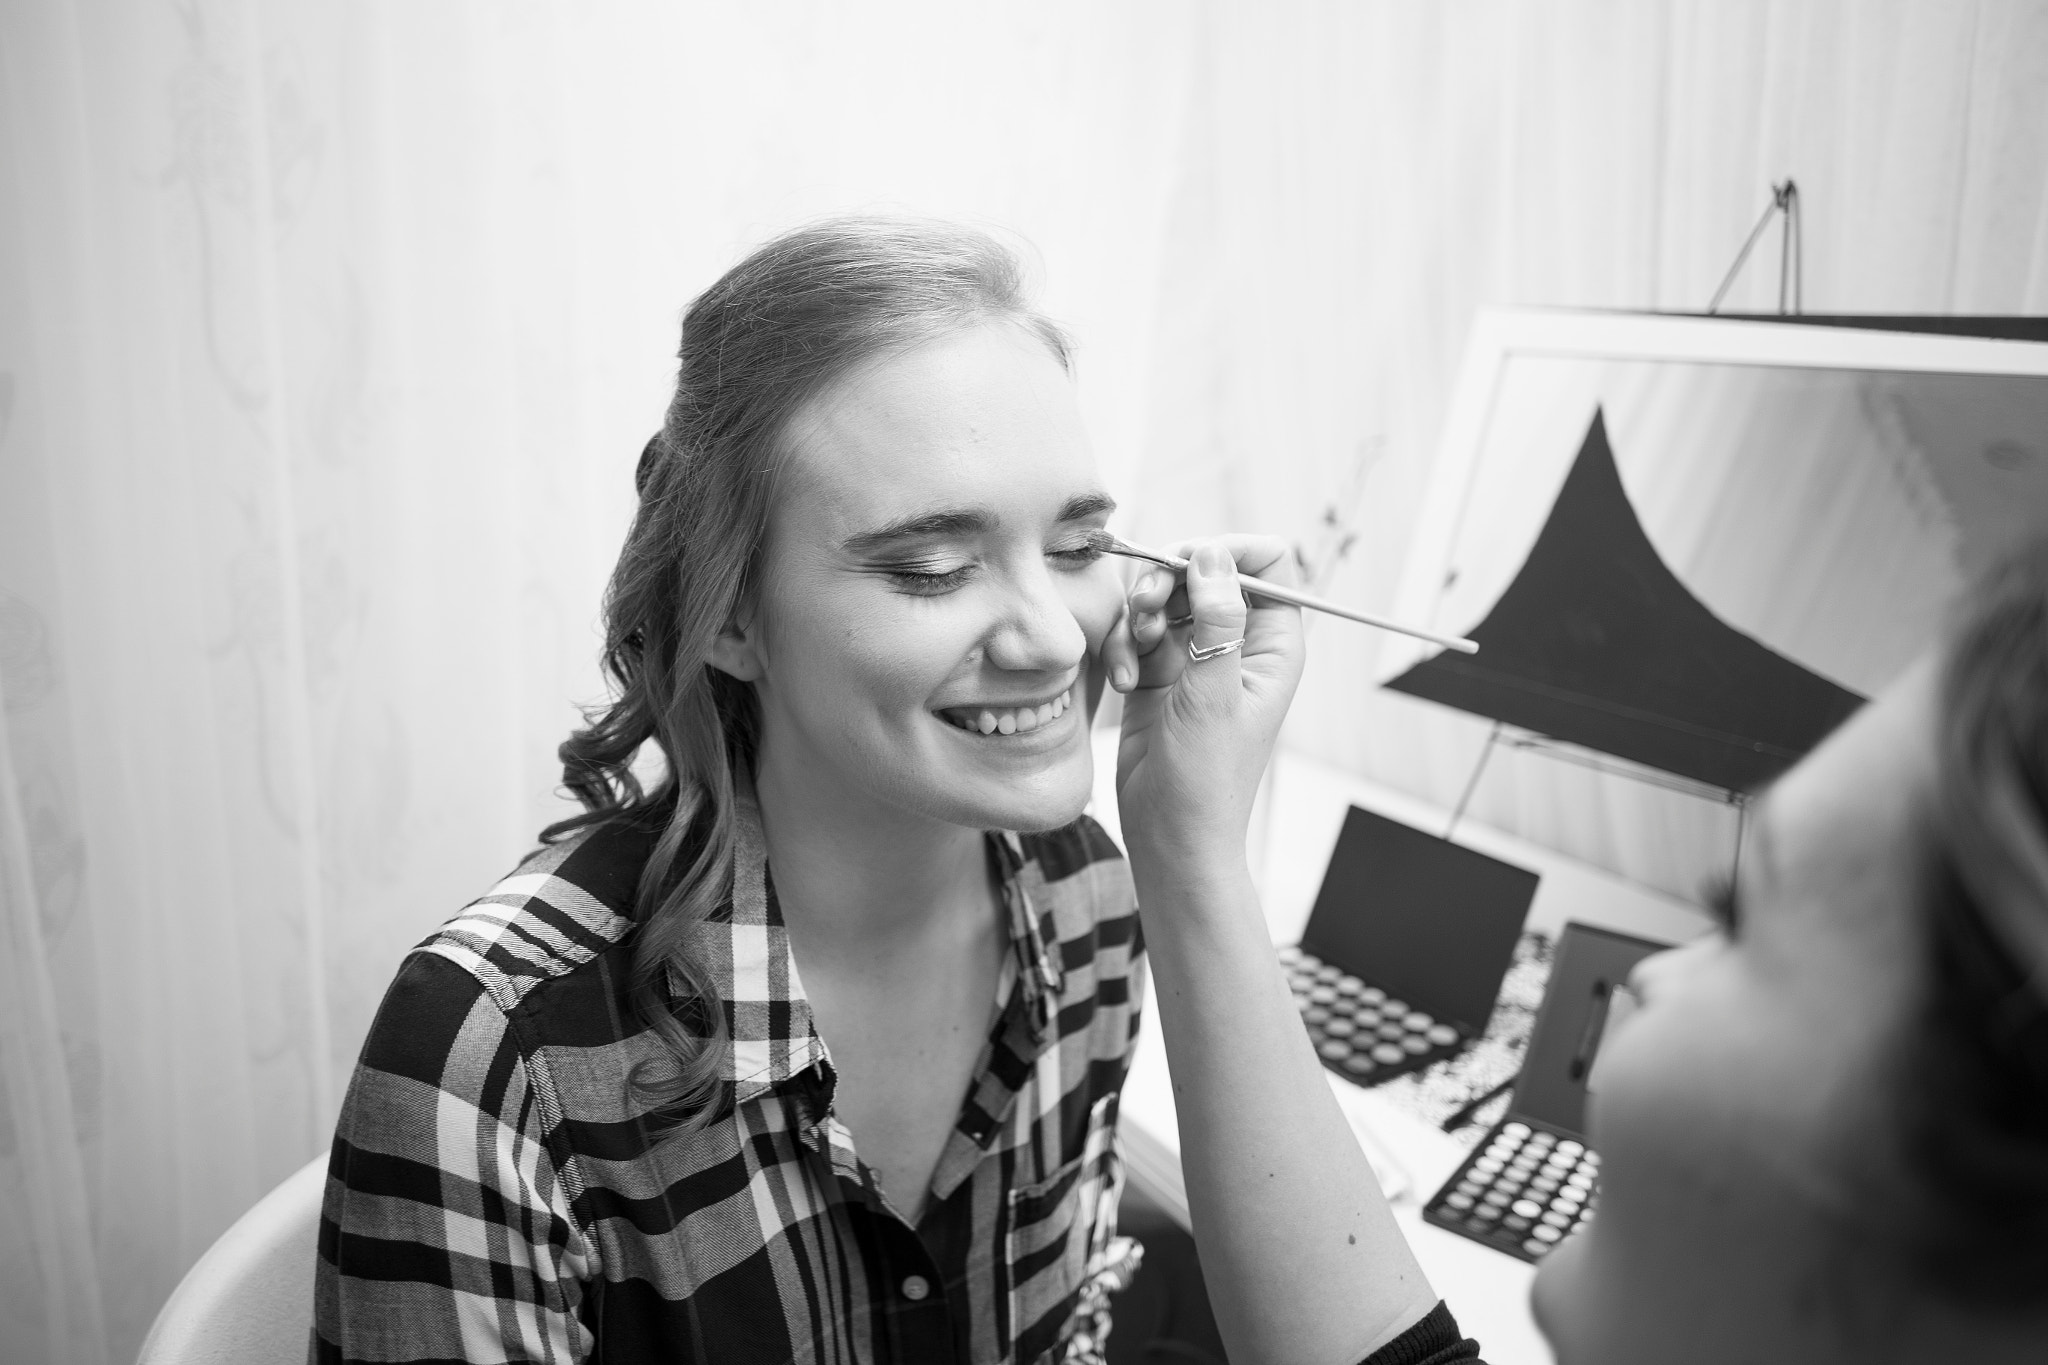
{"x":1522,"y":1191}
{"x":1359,"y":1030}
{"x":1403,"y":954}
{"x":1533,"y":1179}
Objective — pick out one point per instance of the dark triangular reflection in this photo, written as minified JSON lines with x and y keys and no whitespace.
{"x":1597,"y":643}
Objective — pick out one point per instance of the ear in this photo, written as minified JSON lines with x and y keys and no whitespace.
{"x":737,"y":650}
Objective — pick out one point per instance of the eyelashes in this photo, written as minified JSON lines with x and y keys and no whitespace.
{"x":1081,"y":556}
{"x":929,"y":582}
{"x":929,"y":579}
{"x":1718,"y":894}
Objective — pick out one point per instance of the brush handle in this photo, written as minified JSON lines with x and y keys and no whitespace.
{"x":1259,"y":587}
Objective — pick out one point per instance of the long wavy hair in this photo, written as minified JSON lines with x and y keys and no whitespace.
{"x":779,"y":328}
{"x":1973,"y":1078}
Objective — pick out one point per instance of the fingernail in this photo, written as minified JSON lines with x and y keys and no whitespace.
{"x":1150,"y":582}
{"x":1212,"y":560}
{"x":1120,"y":678}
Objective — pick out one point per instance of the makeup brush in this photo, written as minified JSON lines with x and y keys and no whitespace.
{"x":1259,"y":587}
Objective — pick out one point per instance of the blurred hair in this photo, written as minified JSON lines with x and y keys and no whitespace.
{"x":797,"y":315}
{"x":1974,"y":1080}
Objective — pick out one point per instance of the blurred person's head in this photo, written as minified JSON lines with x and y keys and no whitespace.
{"x":1825,"y":1130}
{"x":863,"y":568}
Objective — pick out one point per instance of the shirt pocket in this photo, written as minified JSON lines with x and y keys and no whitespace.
{"x":1060,"y":1229}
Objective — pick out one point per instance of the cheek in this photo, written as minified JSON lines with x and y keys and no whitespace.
{"x":843,"y":651}
{"x":900,"y":654}
{"x":1096,"y":598}
{"x":1674,"y":1072}
{"x":1689,"y":1089}
{"x":1726,"y":1045}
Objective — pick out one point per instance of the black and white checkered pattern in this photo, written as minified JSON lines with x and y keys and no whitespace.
{"x":496,"y":1194}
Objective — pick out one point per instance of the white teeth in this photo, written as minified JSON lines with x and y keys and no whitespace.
{"x":1015,"y":720}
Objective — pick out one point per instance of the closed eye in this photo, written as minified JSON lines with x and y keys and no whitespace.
{"x":928,"y":580}
{"x":1080,"y":556}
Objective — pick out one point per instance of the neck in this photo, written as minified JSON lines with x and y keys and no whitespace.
{"x":857,"y":877}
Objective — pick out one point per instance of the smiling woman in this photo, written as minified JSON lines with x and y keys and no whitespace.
{"x":810,"y":1048}
{"x":647,"y":1099}
{"x":862,"y":1107}
{"x":931,"y":593}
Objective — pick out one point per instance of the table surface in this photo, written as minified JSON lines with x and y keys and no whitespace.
{"x":1306,"y":801}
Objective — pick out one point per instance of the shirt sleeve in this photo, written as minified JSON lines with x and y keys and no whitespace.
{"x":1432,"y":1341}
{"x":446,"y":1232}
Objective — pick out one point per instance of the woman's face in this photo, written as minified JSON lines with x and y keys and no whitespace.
{"x":1735,"y":1109}
{"x":931,"y":597}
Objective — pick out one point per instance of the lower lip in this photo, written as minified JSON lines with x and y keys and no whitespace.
{"x":1054,"y":731}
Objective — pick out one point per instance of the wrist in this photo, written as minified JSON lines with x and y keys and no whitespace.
{"x":1178,"y":853}
{"x":1191,"y":880}
{"x":1211,"y":834}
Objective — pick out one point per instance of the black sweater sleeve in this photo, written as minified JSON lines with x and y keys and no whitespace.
{"x":1432,"y":1341}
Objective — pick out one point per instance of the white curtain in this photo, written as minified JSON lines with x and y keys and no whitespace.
{"x":329,"y":334}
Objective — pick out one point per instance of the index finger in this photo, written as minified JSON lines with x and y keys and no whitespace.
{"x":1266,"y":557}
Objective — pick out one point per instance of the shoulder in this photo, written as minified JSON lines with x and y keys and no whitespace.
{"x":536,"y":964}
{"x":541,"y":958}
{"x":565,"y":907}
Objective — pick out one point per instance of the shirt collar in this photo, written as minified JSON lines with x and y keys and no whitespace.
{"x":1034,"y":938}
{"x":744,"y":949}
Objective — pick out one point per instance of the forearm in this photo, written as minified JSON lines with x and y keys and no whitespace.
{"x":1304,"y":1261}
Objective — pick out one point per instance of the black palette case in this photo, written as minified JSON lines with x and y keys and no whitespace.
{"x":1533,"y":1180}
{"x":1404,"y":952}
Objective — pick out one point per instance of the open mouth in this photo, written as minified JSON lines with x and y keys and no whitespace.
{"x":1008,"y":720}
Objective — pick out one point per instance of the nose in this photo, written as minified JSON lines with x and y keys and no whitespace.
{"x":1657,"y":970}
{"x":1037,"y":631}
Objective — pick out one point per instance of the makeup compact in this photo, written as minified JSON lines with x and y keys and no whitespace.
{"x":1405,"y":949}
{"x":1533,"y":1179}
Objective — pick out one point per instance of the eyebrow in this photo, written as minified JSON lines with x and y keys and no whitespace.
{"x":958,"y":522}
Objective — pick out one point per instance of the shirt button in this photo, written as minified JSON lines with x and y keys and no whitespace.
{"x":916,"y":1288}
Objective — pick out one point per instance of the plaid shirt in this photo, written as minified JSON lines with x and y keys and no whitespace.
{"x":496,"y":1194}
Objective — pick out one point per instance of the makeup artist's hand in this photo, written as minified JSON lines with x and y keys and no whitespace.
{"x":1197,"y":733}
{"x":1305,"y":1262}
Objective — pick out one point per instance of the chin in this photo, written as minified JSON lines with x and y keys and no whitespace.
{"x":1543,"y":1296}
{"x":1029,"y":804}
{"x":1047,"y":819}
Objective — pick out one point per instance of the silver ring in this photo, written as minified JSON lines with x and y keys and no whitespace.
{"x":1215,"y":651}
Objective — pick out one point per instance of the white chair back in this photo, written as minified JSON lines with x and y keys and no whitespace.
{"x":249,"y":1300}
